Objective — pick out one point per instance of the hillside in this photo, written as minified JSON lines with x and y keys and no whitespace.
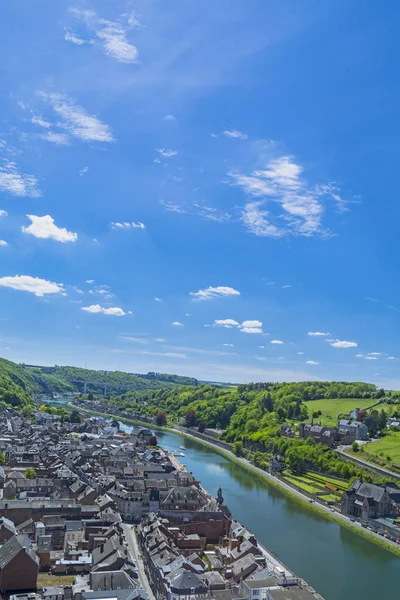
{"x":116,"y":381}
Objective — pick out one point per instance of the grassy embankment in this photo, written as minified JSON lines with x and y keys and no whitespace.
{"x":269,"y":482}
{"x":384,"y":453}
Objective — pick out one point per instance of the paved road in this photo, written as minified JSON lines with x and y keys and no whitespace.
{"x":131,"y":541}
{"x":363,"y":463}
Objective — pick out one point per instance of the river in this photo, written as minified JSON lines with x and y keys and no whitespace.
{"x":338,"y":563}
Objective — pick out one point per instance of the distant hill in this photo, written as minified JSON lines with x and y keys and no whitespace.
{"x":116,"y":381}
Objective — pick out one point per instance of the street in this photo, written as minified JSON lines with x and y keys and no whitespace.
{"x":133,"y":548}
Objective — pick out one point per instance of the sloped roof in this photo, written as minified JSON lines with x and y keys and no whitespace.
{"x":15,"y":545}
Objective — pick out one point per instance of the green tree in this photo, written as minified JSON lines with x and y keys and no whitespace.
{"x":382,"y":421}
{"x":251,"y":426}
{"x":190,"y":418}
{"x":355,"y":447}
{"x":75,"y":417}
{"x":372,"y":423}
{"x":237,"y":448}
{"x":30,"y":473}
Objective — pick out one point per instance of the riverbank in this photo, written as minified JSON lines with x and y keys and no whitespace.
{"x":273,"y":482}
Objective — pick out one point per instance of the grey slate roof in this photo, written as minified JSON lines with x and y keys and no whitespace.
{"x":15,"y":545}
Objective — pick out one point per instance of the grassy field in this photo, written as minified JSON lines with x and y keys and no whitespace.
{"x":332,"y":408}
{"x":341,"y":406}
{"x":388,"y":446}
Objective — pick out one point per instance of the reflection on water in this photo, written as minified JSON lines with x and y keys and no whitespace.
{"x":338,"y":563}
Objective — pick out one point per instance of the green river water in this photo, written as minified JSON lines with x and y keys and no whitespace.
{"x":338,"y":563}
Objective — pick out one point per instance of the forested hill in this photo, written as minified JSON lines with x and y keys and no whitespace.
{"x":19,"y":382}
{"x":116,"y":381}
{"x":262,"y":404}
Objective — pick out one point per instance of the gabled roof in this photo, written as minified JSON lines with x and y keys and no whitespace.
{"x":15,"y":545}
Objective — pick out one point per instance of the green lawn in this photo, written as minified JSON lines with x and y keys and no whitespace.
{"x":332,"y":408}
{"x":389,"y":445}
{"x":315,"y":484}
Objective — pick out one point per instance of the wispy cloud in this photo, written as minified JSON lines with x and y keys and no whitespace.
{"x":281,"y":184}
{"x":111,"y":34}
{"x":45,"y":228}
{"x":96,"y":308}
{"x":167,"y":153}
{"x":311,"y":362}
{"x":177,"y":324}
{"x":127,"y":225}
{"x":235,"y":134}
{"x":318,"y":334}
{"x":279,"y":342}
{"x":34,"y":285}
{"x":72,"y":37}
{"x":3,"y":244}
{"x":15,"y":182}
{"x":214,"y":292}
{"x":83,"y":171}
{"x":174,"y":207}
{"x":75,"y":121}
{"x":213,"y":214}
{"x":157,"y":300}
{"x":3,"y":213}
{"x":61,"y":139}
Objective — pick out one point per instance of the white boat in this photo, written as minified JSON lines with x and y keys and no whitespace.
{"x":182,"y":447}
{"x":177,"y":454}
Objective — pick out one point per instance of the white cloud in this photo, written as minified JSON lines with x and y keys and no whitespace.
{"x":261,"y":346}
{"x":3,"y":244}
{"x":251,"y":329}
{"x":96,"y":308}
{"x":280,"y":183}
{"x":76,"y":121}
{"x":245,"y":327}
{"x":112,"y":34}
{"x":311,"y":362}
{"x":375,"y":353}
{"x":45,"y":228}
{"x":392,"y":358}
{"x":127,"y":225}
{"x":83,"y":171}
{"x":167,"y":153}
{"x":212,"y":214}
{"x":371,"y":358}
{"x":318,"y":333}
{"x":276,"y":342}
{"x":89,"y":281}
{"x":228,"y":323}
{"x":342,"y":344}
{"x":256,"y":221}
{"x":61,"y":139}
{"x":3,"y":213}
{"x":40,"y":122}
{"x":229,"y":345}
{"x":157,"y":299}
{"x":34,"y":285}
{"x":177,"y":324}
{"x":160,"y":340}
{"x":169,"y":118}
{"x":115,"y":43}
{"x":300,"y":353}
{"x":173,"y":207}
{"x":214,"y":292}
{"x":16,"y":183}
{"x":70,"y":36}
{"x":233,"y":133}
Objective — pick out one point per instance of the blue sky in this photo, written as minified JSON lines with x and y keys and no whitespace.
{"x":203,"y":188}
